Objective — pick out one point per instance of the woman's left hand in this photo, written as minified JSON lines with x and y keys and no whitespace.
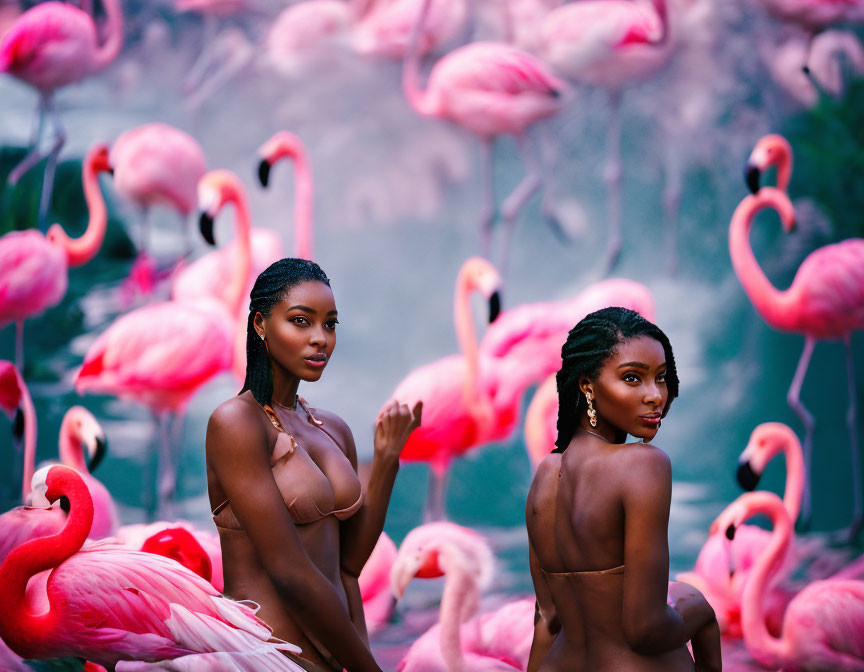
{"x":393,"y":426}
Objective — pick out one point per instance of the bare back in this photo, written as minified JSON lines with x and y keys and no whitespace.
{"x":577,"y":517}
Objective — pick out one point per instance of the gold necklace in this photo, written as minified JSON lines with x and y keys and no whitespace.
{"x":292,"y":407}
{"x":595,"y":434}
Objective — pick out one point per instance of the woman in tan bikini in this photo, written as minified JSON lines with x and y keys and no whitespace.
{"x":295,"y":523}
{"x":598,"y":513}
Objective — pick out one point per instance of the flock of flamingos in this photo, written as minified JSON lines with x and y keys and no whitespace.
{"x":74,"y":582}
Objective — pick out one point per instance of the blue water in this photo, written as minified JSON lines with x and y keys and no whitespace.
{"x":397,"y":202}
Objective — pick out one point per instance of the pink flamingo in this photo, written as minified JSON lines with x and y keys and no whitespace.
{"x":489,"y":89}
{"x":386,"y":28}
{"x":34,"y":271}
{"x":159,"y":355}
{"x":51,"y":45}
{"x":825,"y":300}
{"x":16,"y":402}
{"x":611,"y":44}
{"x":822,"y":627}
{"x":156,"y":164}
{"x":713,"y":573}
{"x":496,"y":641}
{"x":468,"y":399}
{"x":541,"y":421}
{"x":107,"y":603}
{"x":535,"y":332}
{"x":374,"y":583}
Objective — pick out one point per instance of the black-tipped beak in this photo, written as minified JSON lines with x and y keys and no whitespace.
{"x":494,"y":306}
{"x":98,"y":454}
{"x":751,"y":177}
{"x":264,"y":172}
{"x":730,"y":532}
{"x":110,"y":171}
{"x":747,"y":478}
{"x":205,"y":223}
{"x":18,"y":425}
{"x":65,"y":505}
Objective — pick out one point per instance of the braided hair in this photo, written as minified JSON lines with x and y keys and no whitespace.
{"x":589,"y":344}
{"x":270,"y":288}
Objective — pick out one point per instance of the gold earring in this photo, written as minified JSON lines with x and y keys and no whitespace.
{"x":592,"y":414}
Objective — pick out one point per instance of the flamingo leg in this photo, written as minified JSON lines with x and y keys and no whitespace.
{"x":487,"y":214}
{"x":35,"y":155}
{"x":612,"y":176}
{"x":513,"y":204}
{"x":51,"y":164}
{"x":166,"y":483}
{"x":221,"y":61}
{"x":19,"y":345}
{"x":671,"y":205}
{"x":435,"y":494}
{"x":793,"y":398}
{"x":548,"y":157}
{"x":852,"y":423}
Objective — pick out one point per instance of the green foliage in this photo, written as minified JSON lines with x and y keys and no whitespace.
{"x":828,"y":141}
{"x":56,"y":665}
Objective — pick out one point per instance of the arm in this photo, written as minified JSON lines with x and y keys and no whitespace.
{"x":236,"y":451}
{"x":360,"y":533}
{"x":650,"y":624}
{"x":546,"y":624}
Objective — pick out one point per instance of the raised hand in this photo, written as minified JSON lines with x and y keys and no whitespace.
{"x":393,"y":426}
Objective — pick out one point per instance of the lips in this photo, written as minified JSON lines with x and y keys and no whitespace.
{"x":318,"y":360}
{"x":651,"y":418}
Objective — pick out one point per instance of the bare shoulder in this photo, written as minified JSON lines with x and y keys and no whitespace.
{"x":646,"y":471}
{"x":337,"y":428}
{"x":646,"y":456}
{"x":234,"y":425}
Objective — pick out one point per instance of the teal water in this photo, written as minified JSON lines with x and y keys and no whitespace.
{"x":396,"y":209}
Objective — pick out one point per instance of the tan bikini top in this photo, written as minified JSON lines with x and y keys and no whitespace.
{"x":303,"y":507}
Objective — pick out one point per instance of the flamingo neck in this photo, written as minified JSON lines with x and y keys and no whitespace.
{"x":31,"y":635}
{"x":81,"y":250}
{"x":304,"y":196}
{"x":767,"y":299}
{"x":29,"y":411}
{"x":767,"y":649}
{"x":466,"y":334}
{"x":794,"y":475}
{"x":114,"y":41}
{"x":663,"y":14}
{"x":425,"y":103}
{"x":459,"y":595}
{"x":71,"y":451}
{"x":242,"y":267}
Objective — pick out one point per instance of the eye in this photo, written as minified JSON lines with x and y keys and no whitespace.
{"x":300,"y":320}
{"x":661,"y":378}
{"x":630,"y":377}
{"x":331,"y":324}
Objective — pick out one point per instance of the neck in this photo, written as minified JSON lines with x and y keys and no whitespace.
{"x":423,"y":102}
{"x":242,"y":267}
{"x":29,"y":411}
{"x":794,"y":490}
{"x":28,"y":634}
{"x":457,"y":605}
{"x":604,"y":431}
{"x":81,"y":250}
{"x":114,"y":42}
{"x":71,"y":451}
{"x":766,"y":649}
{"x":766,"y":298}
{"x":289,"y":146}
{"x":663,"y":14}
{"x":284,"y":388}
{"x":466,"y":334}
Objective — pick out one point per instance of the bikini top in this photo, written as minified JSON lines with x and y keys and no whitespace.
{"x":590,"y":572}
{"x":306,"y":487}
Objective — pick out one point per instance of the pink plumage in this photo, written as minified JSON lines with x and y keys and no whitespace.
{"x":374,"y":583}
{"x":107,"y":603}
{"x":816,"y":14}
{"x":386,"y":28}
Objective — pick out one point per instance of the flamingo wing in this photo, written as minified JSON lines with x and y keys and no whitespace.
{"x":33,"y":275}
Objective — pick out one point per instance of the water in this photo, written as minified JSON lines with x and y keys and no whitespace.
{"x":397,"y":201}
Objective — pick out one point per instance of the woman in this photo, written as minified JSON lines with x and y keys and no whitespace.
{"x":295,"y":525}
{"x":598,"y":512}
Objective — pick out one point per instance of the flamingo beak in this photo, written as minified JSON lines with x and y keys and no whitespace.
{"x":747,"y":478}
{"x":730,"y":532}
{"x":97,"y":450}
{"x":264,"y":172}
{"x":18,"y":425}
{"x":751,"y":177}
{"x":205,"y":223}
{"x":494,"y":306}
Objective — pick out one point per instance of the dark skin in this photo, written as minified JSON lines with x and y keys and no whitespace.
{"x":304,"y":576}
{"x":603,"y":504}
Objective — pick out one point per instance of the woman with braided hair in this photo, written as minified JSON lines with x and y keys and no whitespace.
{"x":295,"y":524}
{"x":598,"y":513}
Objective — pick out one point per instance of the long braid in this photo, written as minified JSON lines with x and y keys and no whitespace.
{"x":270,"y":288}
{"x":589,"y":344}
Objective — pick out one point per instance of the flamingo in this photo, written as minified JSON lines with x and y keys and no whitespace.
{"x":156,"y":164}
{"x":159,"y":355}
{"x":374,"y":583}
{"x":16,"y":402}
{"x":49,"y":46}
{"x":468,"y":399}
{"x":825,"y":300}
{"x":713,"y":573}
{"x":34,"y":268}
{"x":490,"y":89}
{"x":497,"y":641}
{"x":107,"y":603}
{"x":822,"y":626}
{"x":386,"y":28}
{"x":541,"y":421}
{"x":611,"y":44}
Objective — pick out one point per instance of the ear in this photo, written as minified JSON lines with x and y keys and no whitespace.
{"x":258,"y":323}
{"x":585,"y":385}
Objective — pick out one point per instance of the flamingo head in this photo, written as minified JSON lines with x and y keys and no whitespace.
{"x":181,"y":545}
{"x":11,"y":388}
{"x":49,"y":484}
{"x":280,"y":146}
{"x":436,"y":549}
{"x":479,"y":275}
{"x":80,"y":426}
{"x":215,"y":189}
{"x":766,"y":441}
{"x":771,"y":150}
{"x":743,"y":509}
